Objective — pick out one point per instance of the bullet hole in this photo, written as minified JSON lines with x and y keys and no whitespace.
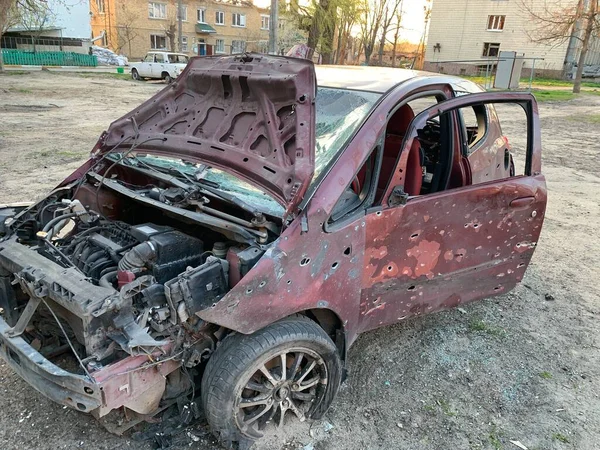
{"x":476,"y":225}
{"x":411,"y":288}
{"x":245,"y":160}
{"x":302,"y":98}
{"x":390,"y":268}
{"x":378,"y":213}
{"x":249,"y":291}
{"x":262,"y":284}
{"x":347,"y":251}
{"x":288,"y":282}
{"x":498,"y":288}
{"x":304,"y":261}
{"x":414,"y":235}
{"x":376,"y":300}
{"x":520,"y":265}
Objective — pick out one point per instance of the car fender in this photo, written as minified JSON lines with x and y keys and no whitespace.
{"x":301,"y":271}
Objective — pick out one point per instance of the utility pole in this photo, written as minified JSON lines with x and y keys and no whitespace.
{"x":273,"y":22}
{"x":179,"y":24}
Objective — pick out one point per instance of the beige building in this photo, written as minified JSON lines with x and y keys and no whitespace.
{"x":465,"y":34}
{"x":209,"y":26}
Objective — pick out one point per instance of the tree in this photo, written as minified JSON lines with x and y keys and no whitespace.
{"x":391,"y":8}
{"x":370,"y":25}
{"x":394,"y":42}
{"x":127,"y":32}
{"x":558,"y":24}
{"x":12,"y":12}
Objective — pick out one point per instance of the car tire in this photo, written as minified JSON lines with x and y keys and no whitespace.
{"x":235,"y":378}
{"x":167,"y":78}
{"x":135,"y":75}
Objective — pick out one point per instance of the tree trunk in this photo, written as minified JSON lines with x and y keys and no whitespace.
{"x":589,"y":28}
{"x":1,"y":58}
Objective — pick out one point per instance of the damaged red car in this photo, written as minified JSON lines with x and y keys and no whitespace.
{"x":231,"y":237}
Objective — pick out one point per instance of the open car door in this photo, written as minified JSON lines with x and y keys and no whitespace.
{"x":452,"y":246}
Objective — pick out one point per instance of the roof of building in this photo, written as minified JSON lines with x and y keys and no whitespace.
{"x":381,"y":79}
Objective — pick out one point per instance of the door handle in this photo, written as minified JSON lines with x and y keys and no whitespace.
{"x":522,"y":202}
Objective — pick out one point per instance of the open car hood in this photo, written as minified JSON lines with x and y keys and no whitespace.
{"x":251,"y":115}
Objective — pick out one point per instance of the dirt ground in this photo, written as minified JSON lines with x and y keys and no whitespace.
{"x":521,"y":367}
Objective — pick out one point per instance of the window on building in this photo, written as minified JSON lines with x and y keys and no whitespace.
{"x":184,"y":44}
{"x":201,"y":16}
{"x":157,"y":10}
{"x":183,"y":13}
{"x":238,"y":20}
{"x":264,"y":22}
{"x":158,"y":42}
{"x":496,"y":23}
{"x":220,"y":46}
{"x":490,"y":49}
{"x":100,"y":6}
{"x":238,"y":46}
{"x":220,"y":18}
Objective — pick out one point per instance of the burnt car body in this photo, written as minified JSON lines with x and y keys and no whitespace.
{"x":243,"y":226}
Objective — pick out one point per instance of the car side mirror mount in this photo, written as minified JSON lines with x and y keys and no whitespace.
{"x":398,"y":196}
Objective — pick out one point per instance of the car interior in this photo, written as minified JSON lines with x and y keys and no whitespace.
{"x":429,"y":164}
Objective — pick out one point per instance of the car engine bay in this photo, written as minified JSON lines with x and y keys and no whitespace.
{"x":150,"y":252}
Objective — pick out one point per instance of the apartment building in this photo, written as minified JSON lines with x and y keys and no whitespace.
{"x":133,"y":27}
{"x":465,"y":34}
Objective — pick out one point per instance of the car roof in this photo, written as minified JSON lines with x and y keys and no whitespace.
{"x":382,"y":79}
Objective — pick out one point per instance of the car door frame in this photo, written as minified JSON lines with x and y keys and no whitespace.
{"x":396,"y":286}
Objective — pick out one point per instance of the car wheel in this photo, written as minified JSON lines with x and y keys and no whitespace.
{"x":135,"y":75}
{"x":289,"y":370}
{"x":167,"y":78}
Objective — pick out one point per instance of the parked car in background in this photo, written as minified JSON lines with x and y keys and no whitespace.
{"x":232,"y":236}
{"x":159,"y":65}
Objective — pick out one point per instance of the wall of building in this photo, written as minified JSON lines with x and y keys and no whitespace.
{"x":132,"y":32}
{"x":103,"y":22}
{"x":460,"y":27}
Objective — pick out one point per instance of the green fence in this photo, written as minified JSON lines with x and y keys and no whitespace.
{"x":22,"y":58}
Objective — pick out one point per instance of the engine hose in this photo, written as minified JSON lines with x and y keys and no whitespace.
{"x":108,"y":279}
{"x":107,"y":270}
{"x":58,"y":219}
{"x":138,"y":256}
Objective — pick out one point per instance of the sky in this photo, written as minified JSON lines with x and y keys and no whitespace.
{"x":412,"y":22}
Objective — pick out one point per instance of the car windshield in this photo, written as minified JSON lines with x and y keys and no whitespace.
{"x":339,"y":113}
{"x":226,"y":182}
{"x":178,"y":59}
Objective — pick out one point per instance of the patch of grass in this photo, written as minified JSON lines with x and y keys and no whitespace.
{"x":476,"y":325}
{"x":429,"y":408}
{"x":14,"y":72}
{"x":591,"y":118}
{"x":445,"y":406}
{"x":494,"y":438}
{"x":553,"y":96}
{"x":545,"y":375}
{"x":67,"y":154}
{"x":560,"y":438}
{"x":118,"y":76}
{"x":21,"y":91}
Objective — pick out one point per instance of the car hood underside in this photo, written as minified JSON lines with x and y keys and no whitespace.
{"x":251,"y":115}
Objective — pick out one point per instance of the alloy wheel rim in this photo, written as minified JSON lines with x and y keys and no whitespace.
{"x":290,"y":383}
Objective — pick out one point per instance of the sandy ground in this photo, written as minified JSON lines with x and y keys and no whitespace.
{"x":521,"y":367}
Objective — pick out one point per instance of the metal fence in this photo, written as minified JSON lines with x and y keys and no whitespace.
{"x":24,"y":58}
